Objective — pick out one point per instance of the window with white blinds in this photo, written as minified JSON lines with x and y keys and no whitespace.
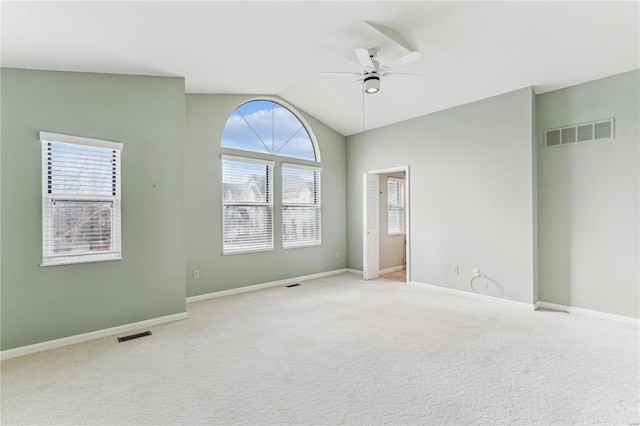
{"x":300,"y":205}
{"x":80,"y":199}
{"x":247,"y":202}
{"x":395,"y":204}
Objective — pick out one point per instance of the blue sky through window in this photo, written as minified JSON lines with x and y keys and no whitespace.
{"x":267,"y":127}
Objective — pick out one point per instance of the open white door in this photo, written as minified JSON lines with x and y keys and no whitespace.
{"x":371,"y":229}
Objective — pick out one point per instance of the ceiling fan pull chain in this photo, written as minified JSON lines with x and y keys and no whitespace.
{"x":363,"y":138}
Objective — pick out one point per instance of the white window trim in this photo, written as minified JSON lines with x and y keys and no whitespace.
{"x":79,"y":140}
{"x":271,"y":165}
{"x":247,"y":159}
{"x":303,"y":166}
{"x":48,"y":258}
{"x":318,"y":205}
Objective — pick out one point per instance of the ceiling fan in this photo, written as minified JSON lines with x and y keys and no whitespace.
{"x":372,"y":71}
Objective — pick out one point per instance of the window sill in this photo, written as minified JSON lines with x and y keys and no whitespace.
{"x":302,"y":246}
{"x":231,"y":253}
{"x":74,"y":261}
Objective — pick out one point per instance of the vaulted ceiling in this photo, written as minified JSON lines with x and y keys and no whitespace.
{"x":471,"y":50}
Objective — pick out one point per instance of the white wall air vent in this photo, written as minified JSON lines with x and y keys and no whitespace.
{"x":597,"y":130}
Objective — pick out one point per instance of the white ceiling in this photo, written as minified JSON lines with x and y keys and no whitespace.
{"x":471,"y":50}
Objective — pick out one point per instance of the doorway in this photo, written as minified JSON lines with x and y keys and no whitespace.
{"x":386,"y":230}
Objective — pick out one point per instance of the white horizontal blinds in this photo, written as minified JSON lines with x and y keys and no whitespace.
{"x":300,"y":206}
{"x":81,"y":199}
{"x":395,"y":204}
{"x":82,"y":170}
{"x":247,"y":203}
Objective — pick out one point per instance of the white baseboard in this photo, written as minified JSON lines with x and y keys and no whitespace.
{"x":534,"y":306}
{"x":587,"y":312}
{"x":473,"y":295}
{"x":394,"y":269}
{"x":263,"y":286}
{"x":354,"y":271}
{"x":85,"y":337}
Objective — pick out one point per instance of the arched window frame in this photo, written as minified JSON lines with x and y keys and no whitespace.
{"x":292,"y":110}
{"x":279,"y":162}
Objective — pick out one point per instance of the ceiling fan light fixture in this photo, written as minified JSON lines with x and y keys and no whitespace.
{"x":372,"y":84}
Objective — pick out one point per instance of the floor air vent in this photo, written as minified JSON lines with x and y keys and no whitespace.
{"x":597,"y":130}
{"x":134,"y":336}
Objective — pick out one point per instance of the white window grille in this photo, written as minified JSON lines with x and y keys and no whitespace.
{"x":395,"y":204}
{"x":247,"y":202}
{"x":300,"y":205}
{"x":80,"y":199}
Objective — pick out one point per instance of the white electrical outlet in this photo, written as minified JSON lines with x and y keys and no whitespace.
{"x":476,"y":272}
{"x":455,"y":270}
{"x":337,"y":255}
{"x":196,"y":274}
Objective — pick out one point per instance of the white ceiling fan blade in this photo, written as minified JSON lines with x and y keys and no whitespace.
{"x":340,"y":74}
{"x":348,"y":84}
{"x":391,"y":74}
{"x":405,"y":60}
{"x":364,"y":59}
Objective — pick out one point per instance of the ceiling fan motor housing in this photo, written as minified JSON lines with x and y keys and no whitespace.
{"x":371,"y":83}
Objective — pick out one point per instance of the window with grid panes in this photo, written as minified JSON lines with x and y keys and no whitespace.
{"x":269,"y":129}
{"x":80,"y":199}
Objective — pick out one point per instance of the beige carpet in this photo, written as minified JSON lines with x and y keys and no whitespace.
{"x":339,"y":351}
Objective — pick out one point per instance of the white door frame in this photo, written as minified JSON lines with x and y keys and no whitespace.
{"x":407,"y":222}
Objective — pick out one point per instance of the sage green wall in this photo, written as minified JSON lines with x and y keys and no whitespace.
{"x":206,"y":117}
{"x":588,"y":199}
{"x":471,"y":194}
{"x":147,"y":115}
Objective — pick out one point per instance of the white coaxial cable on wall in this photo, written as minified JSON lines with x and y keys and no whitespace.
{"x":477,"y":274}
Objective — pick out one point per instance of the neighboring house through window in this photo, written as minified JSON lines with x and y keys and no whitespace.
{"x":300,"y":205}
{"x":266,"y":131}
{"x":247,"y":203}
{"x":80,"y":199}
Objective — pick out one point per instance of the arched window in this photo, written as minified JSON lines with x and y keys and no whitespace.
{"x":270,"y":128}
{"x":267,"y":127}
